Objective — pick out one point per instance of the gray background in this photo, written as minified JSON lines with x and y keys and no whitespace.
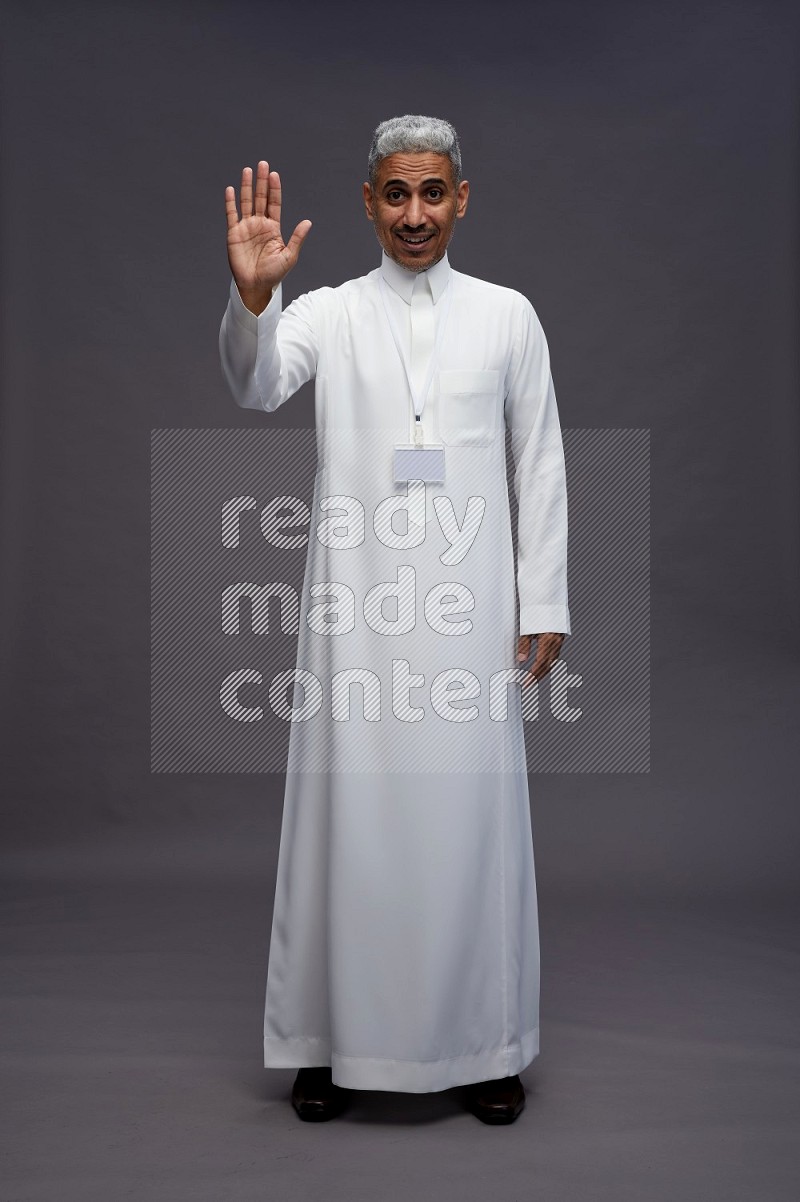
{"x":634,"y":172}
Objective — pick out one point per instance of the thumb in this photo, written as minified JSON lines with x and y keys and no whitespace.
{"x":298,"y":238}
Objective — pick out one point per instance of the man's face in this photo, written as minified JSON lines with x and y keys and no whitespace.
{"x":414,"y":206}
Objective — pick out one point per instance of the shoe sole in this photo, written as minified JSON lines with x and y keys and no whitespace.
{"x":315,"y":1114}
{"x":497,"y":1118}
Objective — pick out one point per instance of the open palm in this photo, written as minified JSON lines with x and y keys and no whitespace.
{"x":258,"y":256}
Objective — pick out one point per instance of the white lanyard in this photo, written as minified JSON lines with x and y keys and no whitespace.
{"x":418,"y":397}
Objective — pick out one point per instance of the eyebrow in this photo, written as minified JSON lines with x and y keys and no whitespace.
{"x":392,"y":183}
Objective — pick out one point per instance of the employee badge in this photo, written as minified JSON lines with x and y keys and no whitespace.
{"x":419,"y":461}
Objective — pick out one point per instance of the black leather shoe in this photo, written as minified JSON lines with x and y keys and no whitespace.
{"x":500,"y":1100}
{"x":315,"y":1097}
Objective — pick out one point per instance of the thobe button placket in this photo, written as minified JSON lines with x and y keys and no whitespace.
{"x":422,"y":330}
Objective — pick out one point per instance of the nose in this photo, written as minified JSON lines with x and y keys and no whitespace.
{"x":414,"y":214}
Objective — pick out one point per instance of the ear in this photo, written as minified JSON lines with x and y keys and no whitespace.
{"x":367,"y":190}
{"x":462,"y":196}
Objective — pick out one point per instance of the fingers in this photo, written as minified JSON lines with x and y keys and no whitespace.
{"x":230,"y":207}
{"x":246,"y":192}
{"x":262,"y":188}
{"x":548,"y":647}
{"x":274,"y":205}
{"x":523,"y":651}
{"x":536,"y":670}
{"x":265,"y":199}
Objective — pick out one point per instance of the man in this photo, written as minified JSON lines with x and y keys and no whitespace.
{"x":404,"y":952}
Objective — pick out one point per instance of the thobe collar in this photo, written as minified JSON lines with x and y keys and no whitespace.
{"x":402,"y":280}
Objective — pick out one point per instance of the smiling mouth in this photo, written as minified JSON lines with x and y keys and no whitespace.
{"x":414,"y":240}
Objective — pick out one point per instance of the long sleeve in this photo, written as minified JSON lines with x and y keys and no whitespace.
{"x":539,"y":480}
{"x":265,"y":359}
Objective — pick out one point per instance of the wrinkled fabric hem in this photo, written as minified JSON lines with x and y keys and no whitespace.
{"x":402,"y":1076}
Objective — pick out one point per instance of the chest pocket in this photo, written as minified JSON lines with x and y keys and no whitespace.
{"x":468,"y":409}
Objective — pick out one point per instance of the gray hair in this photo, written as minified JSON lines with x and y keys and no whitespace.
{"x":412,"y":134}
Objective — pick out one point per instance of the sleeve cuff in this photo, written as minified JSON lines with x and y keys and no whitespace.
{"x":537,"y":619}
{"x":243,"y":315}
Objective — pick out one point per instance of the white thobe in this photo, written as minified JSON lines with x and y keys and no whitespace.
{"x":404,"y":949}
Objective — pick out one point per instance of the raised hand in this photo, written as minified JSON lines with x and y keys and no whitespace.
{"x":258,"y":256}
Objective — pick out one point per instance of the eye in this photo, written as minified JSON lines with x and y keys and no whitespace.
{"x":435,"y":193}
{"x":395,"y":194}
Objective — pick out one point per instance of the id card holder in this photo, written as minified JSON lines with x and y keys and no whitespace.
{"x":413,"y":462}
